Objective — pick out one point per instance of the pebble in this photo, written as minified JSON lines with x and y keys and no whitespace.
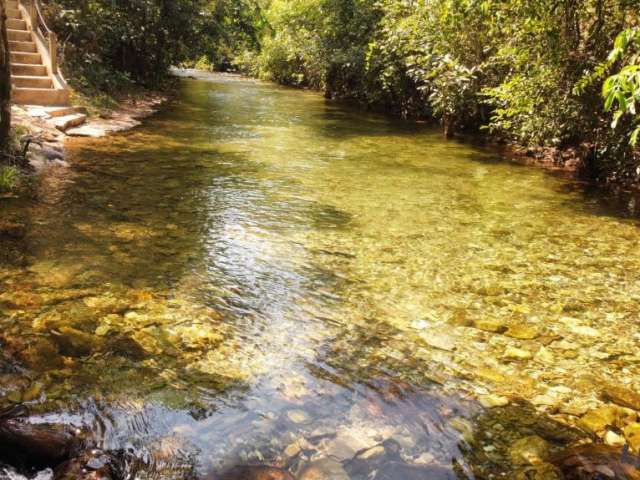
{"x":492,"y":401}
{"x":372,"y":453}
{"x":586,"y":331}
{"x":325,"y":469}
{"x":522,"y":332}
{"x":298,"y":416}
{"x":514,"y":353}
{"x":613,"y":439}
{"x":492,"y":325}
{"x":529,"y":450}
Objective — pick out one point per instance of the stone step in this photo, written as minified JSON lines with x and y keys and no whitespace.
{"x":15,"y":24}
{"x":69,"y":121}
{"x":13,"y":13}
{"x":65,"y":111}
{"x":28,"y":70}
{"x":32,"y":82}
{"x":40,"y":96}
{"x":28,"y":47}
{"x":19,"y":35}
{"x":28,"y":58}
{"x":13,"y":4}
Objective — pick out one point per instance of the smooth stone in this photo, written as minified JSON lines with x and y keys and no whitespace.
{"x":543,"y":471}
{"x":545,"y":356}
{"x":493,"y":401}
{"x":632,"y":434}
{"x":405,"y":471}
{"x":522,"y":332}
{"x":492,"y":325}
{"x":441,"y":341}
{"x":545,"y":400}
{"x":425,"y":458}
{"x":613,"y":439}
{"x":33,"y":392}
{"x":36,"y":444}
{"x":514,"y":353}
{"x":372,"y":453}
{"x":531,"y":450}
{"x":622,"y":396}
{"x":298,"y":416}
{"x":346,"y":445}
{"x":586,"y":331}
{"x":596,"y":461}
{"x":599,"y":419}
{"x":253,"y":472}
{"x":325,"y":469}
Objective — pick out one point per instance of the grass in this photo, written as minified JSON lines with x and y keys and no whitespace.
{"x":9,"y":179}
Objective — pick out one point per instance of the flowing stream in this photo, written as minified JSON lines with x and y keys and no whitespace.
{"x":259,"y":276}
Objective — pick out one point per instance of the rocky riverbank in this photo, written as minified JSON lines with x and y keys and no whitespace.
{"x":48,"y":140}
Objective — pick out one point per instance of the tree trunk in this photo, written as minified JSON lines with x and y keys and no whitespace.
{"x":5,"y":79}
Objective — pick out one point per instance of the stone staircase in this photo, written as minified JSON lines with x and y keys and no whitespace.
{"x":35,"y":76}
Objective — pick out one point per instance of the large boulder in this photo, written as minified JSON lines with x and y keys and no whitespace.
{"x":38,"y":445}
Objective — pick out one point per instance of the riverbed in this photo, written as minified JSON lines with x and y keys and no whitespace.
{"x":260,"y":276}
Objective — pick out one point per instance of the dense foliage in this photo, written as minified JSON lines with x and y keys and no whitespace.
{"x":623,"y":88}
{"x":108,"y":44}
{"x":524,"y":70}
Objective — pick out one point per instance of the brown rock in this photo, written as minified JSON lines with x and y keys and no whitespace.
{"x":530,"y":450}
{"x":12,"y":230}
{"x":598,"y":420}
{"x":632,"y":434}
{"x":37,"y":445}
{"x":543,"y":471}
{"x":595,"y":462}
{"x":89,"y":465}
{"x":622,"y":396}
{"x":522,"y":332}
{"x":325,"y":469}
{"x":404,"y":471}
{"x":254,"y":472}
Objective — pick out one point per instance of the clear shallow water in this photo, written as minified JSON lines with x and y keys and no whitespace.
{"x":259,"y":276}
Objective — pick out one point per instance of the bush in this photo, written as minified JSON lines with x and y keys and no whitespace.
{"x":9,"y":178}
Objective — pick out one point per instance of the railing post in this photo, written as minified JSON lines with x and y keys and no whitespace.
{"x":33,"y":15}
{"x":53,"y":52}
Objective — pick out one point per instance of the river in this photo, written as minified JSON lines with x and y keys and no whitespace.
{"x":260,"y":276}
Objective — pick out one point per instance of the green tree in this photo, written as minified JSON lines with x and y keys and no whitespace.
{"x":622,"y":90}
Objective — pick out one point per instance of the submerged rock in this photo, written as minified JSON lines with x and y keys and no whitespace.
{"x":253,"y":472}
{"x":404,"y":471}
{"x":12,"y":230}
{"x":622,"y":396}
{"x":596,"y":462}
{"x":599,"y":419}
{"x":542,"y":471}
{"x":632,"y":434}
{"x":325,"y":469}
{"x":530,"y":450}
{"x":89,"y":465}
{"x":36,"y":445}
{"x":522,"y":332}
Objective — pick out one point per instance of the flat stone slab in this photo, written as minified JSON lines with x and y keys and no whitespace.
{"x":86,"y":131}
